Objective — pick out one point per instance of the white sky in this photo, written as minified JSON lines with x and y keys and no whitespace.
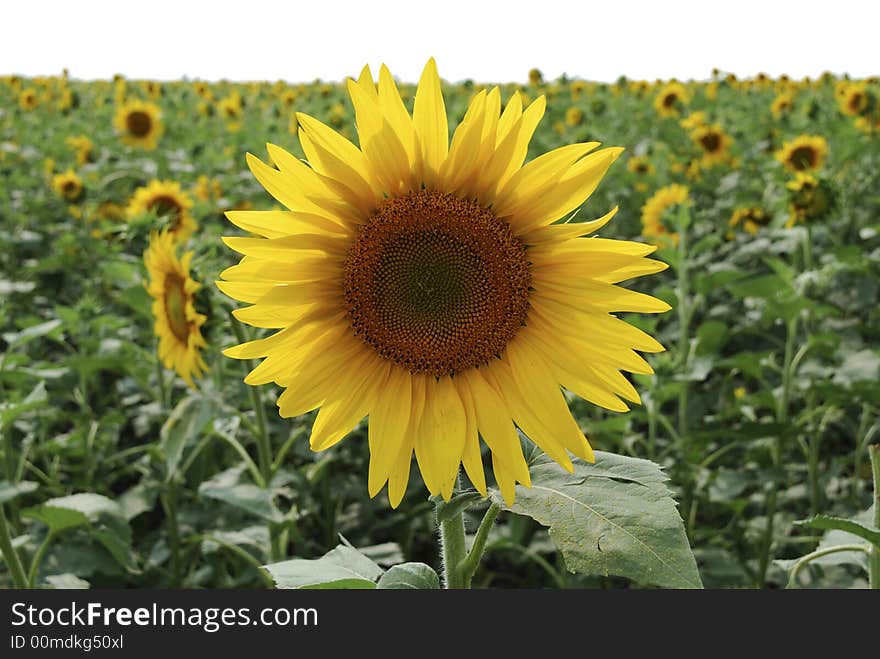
{"x":485,"y":40}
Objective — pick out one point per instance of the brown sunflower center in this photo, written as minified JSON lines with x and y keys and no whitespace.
{"x":710,"y":142}
{"x":803,"y":157}
{"x":175,"y":307}
{"x":436,"y":283}
{"x":669,"y":100}
{"x":70,"y":189}
{"x":165,"y":205}
{"x":138,"y":123}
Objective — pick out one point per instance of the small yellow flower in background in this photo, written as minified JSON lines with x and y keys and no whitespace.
{"x":48,"y":167}
{"x":804,"y":153}
{"x":578,"y":88}
{"x":671,"y":98}
{"x":230,"y":107}
{"x":169,"y":202}
{"x":111,"y":211}
{"x":68,"y":185}
{"x":203,"y":90}
{"x":657,"y":224}
{"x":694,"y":120}
{"x":782,"y":104}
{"x":640,"y":165}
{"x":810,"y":198}
{"x":574,"y":116}
{"x":739,"y":393}
{"x":152,"y":88}
{"x":139,"y":124}
{"x":82,"y":145}
{"x":177,"y":323}
{"x":65,"y":100}
{"x":535,"y":77}
{"x":853,"y":99}
{"x":750,"y":218}
{"x":28,"y":99}
{"x":424,"y":284}
{"x":713,"y":142}
{"x":207,"y":189}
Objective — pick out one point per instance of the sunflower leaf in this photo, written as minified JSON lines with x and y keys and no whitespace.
{"x":616,"y":517}
{"x":409,"y":576}
{"x":854,"y":527}
{"x":342,"y":567}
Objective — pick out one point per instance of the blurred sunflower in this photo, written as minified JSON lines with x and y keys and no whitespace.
{"x":642,"y":167}
{"x":657,"y":226}
{"x":670,"y":99}
{"x":574,"y":116}
{"x":82,"y":145}
{"x":694,"y":120}
{"x":854,"y":99}
{"x":809,"y":198}
{"x":713,"y":142}
{"x":782,"y":104}
{"x":750,"y":218}
{"x":28,"y":99}
{"x":169,"y":202}
{"x":177,"y":321}
{"x":68,"y":185}
{"x":139,"y":124}
{"x":803,"y":153}
{"x":425,"y":285}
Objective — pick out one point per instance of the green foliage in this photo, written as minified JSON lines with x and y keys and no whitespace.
{"x":115,"y":474}
{"x":614,"y":517}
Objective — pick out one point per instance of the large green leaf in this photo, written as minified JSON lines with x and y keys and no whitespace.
{"x":104,"y":518}
{"x":614,"y":517}
{"x":228,"y":487}
{"x":409,"y":576}
{"x":342,"y":567}
{"x":184,"y":426}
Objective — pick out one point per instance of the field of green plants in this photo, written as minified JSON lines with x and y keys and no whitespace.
{"x":763,"y":412}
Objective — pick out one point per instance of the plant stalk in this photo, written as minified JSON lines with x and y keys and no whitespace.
{"x":874,"y":560}
{"x":9,"y":554}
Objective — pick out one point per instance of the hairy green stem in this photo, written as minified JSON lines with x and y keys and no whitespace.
{"x":803,"y":561}
{"x":469,"y":565}
{"x":453,"y":549}
{"x":874,"y":569}
{"x":160,"y":379}
{"x":13,"y":563}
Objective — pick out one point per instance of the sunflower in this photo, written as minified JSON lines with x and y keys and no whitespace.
{"x":139,"y":124}
{"x":230,"y":107}
{"x":854,"y":100}
{"x":803,"y":153}
{"x":670,"y":99}
{"x":167,"y":200}
{"x":694,"y":120}
{"x":68,"y":185}
{"x":574,"y":116}
{"x":782,"y":104}
{"x":713,"y":142}
{"x":28,"y":99}
{"x":750,"y":218}
{"x":425,"y":285}
{"x":83,"y":147}
{"x":809,"y":198}
{"x":656,"y":225}
{"x":640,"y":165}
{"x":177,"y":321}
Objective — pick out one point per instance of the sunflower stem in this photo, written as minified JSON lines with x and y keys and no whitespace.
{"x":160,"y":379}
{"x":264,"y":447}
{"x":874,"y":560}
{"x":13,"y":563}
{"x":452,"y":550}
{"x":472,"y":561}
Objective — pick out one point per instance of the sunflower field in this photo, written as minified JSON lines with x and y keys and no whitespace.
{"x":188,"y":332}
